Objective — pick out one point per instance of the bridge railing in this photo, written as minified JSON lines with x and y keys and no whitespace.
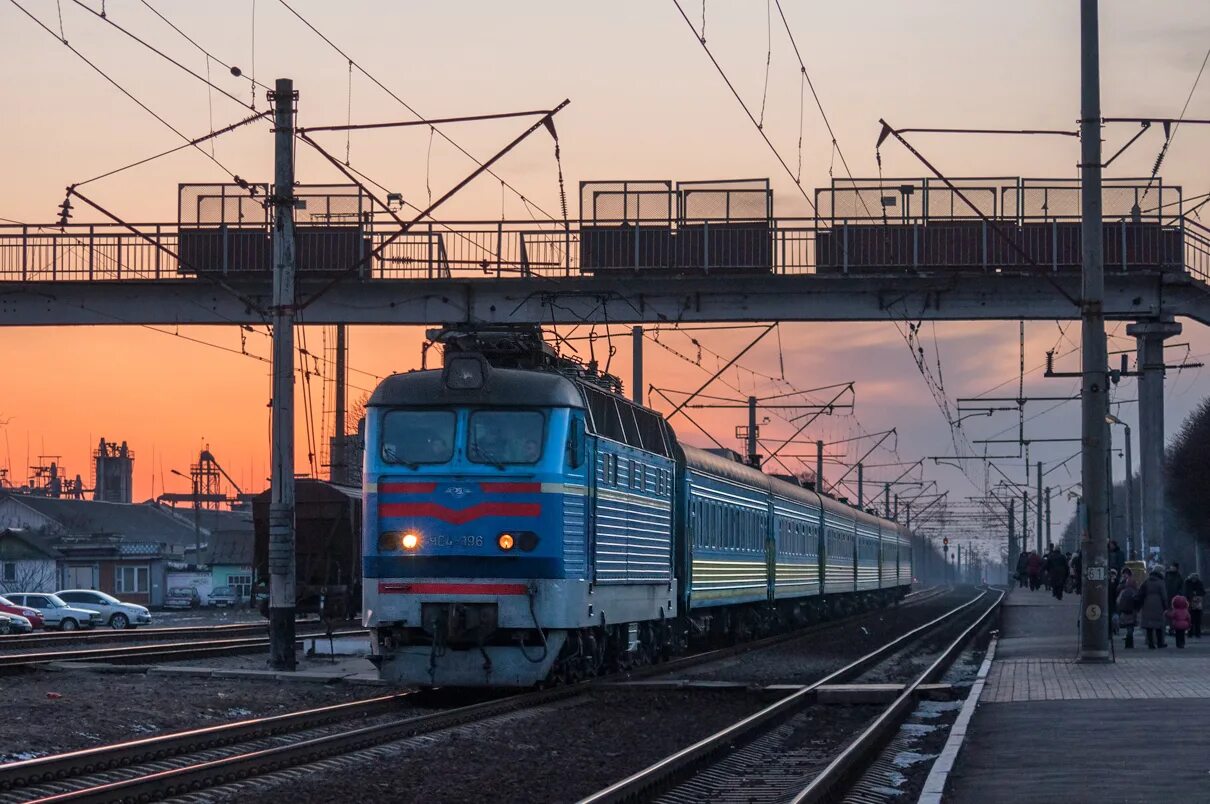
{"x":466,"y":249}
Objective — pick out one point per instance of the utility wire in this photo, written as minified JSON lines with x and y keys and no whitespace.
{"x":125,"y":91}
{"x":819,"y":104}
{"x":230,"y":68}
{"x":1168,"y":141}
{"x":159,"y":52}
{"x":407,"y":106}
{"x":759,"y":128}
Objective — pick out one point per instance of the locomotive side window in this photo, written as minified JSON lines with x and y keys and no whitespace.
{"x":412,"y":437}
{"x":505,"y":436}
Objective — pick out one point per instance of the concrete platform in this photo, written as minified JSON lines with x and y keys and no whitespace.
{"x":1048,"y":728}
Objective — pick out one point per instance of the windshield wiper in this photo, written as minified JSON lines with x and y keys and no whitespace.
{"x":489,"y":458}
{"x":389,"y":454}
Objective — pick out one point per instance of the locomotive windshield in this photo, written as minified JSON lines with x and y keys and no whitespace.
{"x":501,"y":437}
{"x":412,"y":437}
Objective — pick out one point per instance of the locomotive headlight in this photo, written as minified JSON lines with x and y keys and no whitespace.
{"x":410,"y":540}
{"x":505,"y":541}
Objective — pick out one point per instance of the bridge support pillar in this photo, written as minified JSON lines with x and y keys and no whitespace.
{"x":1150,"y":337}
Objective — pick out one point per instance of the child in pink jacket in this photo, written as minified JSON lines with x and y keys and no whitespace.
{"x":1178,"y":615}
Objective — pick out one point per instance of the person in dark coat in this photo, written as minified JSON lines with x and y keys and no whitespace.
{"x":1152,"y":602}
{"x":1126,"y":603}
{"x":1056,"y":566}
{"x":1076,"y":564}
{"x":1022,"y":568}
{"x":1033,"y":567}
{"x":1195,"y":590}
{"x":1117,"y":558}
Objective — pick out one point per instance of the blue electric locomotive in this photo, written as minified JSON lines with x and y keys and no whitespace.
{"x":524,"y":520}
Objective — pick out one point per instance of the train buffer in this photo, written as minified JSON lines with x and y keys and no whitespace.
{"x":1046,"y":727}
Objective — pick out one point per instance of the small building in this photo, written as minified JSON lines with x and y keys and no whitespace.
{"x":230,"y":559}
{"x":123,"y":549}
{"x":27,"y":562}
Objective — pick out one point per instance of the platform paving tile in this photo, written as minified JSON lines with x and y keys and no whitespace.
{"x":1058,"y":720}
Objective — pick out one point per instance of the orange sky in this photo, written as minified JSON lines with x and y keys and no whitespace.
{"x":645,"y":103}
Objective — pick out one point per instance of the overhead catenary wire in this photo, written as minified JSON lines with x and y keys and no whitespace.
{"x":806,"y":76}
{"x":759,"y":127}
{"x":361,"y":68}
{"x":126,"y":92}
{"x":158,"y":52}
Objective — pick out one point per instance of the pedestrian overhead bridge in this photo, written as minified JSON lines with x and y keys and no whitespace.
{"x":640,"y":251}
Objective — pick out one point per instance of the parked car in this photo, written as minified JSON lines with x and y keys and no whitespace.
{"x":55,"y":612}
{"x":223,"y":596}
{"x":182,"y":597}
{"x":14,"y":624}
{"x":117,"y":614}
{"x":8,"y":607}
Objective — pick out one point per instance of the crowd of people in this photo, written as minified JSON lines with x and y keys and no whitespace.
{"x":1055,"y":571}
{"x":1164,"y":603}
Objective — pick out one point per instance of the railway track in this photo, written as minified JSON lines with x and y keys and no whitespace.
{"x":307,"y":628}
{"x":122,"y":654}
{"x":184,"y":762}
{"x":718,"y":767}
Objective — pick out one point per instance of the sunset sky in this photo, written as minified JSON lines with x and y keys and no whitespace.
{"x":645,"y":103}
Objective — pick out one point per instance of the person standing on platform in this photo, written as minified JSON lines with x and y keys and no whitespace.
{"x":1178,"y":615}
{"x":1127,"y":598}
{"x":1076,"y":563}
{"x":1117,"y":559}
{"x":1033,"y":567}
{"x":1056,"y":568}
{"x":1153,"y":601}
{"x":1112,"y":603}
{"x":1022,"y":568}
{"x":1195,"y":590}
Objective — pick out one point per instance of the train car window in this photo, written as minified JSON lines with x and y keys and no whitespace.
{"x":650,"y":432}
{"x":499,"y":437}
{"x":411,"y":437}
{"x":629,"y":428}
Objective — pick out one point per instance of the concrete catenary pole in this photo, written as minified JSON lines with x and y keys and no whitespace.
{"x":1132,"y":527}
{"x":1149,"y":337}
{"x":338,"y":458}
{"x":1049,"y":539}
{"x":1094,"y":399}
{"x":753,"y":458}
{"x":636,"y":345}
{"x":886,"y":500}
{"x":1041,"y":529}
{"x":281,"y":505}
{"x":1013,"y":552}
{"x":819,"y":466}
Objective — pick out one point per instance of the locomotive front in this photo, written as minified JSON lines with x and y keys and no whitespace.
{"x":475,"y":487}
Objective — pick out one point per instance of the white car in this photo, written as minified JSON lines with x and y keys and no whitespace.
{"x":55,"y":612}
{"x":115,"y":613}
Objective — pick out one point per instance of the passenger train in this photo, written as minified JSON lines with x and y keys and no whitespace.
{"x":524,"y":522}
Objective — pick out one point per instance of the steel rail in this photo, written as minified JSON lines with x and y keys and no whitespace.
{"x":825,"y":786}
{"x":671,"y":769}
{"x":50,"y":639}
{"x":88,"y":760}
{"x":174,"y":649}
{"x":806,"y":632}
{"x":189,"y":778}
